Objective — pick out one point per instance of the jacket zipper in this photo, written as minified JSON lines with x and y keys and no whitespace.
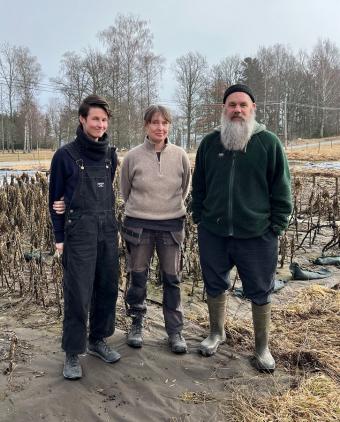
{"x":230,"y":205}
{"x":159,"y":162}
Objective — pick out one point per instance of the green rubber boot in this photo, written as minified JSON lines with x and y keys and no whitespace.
{"x":216,"y":307}
{"x":263,"y":359}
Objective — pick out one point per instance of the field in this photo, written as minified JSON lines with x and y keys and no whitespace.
{"x":151,"y":383}
{"x":315,"y":151}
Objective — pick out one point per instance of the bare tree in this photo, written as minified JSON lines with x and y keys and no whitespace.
{"x":150,"y":68}
{"x":95,"y":65}
{"x":275,"y":63}
{"x":9,"y":75}
{"x":127,"y":73}
{"x":191,"y":76}
{"x":73,"y":81}
{"x":55,"y":111}
{"x":29,"y":77}
{"x":325,"y":69}
{"x":20,"y":74}
{"x":73,"y":84}
{"x":227,"y":72}
{"x":128,"y":43}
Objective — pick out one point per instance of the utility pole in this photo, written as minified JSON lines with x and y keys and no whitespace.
{"x":2,"y":120}
{"x":285,"y":122}
{"x":265,"y":101}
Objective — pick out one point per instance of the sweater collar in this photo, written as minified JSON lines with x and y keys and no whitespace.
{"x":95,"y":150}
{"x":151,"y":146}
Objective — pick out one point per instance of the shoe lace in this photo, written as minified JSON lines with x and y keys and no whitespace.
{"x":177,"y":337}
{"x":103,"y":345}
{"x":73,"y":360}
{"x":136,"y":328}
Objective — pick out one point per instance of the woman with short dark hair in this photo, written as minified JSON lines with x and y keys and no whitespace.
{"x":82,"y":173}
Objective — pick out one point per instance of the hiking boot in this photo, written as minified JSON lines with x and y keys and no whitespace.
{"x":72,"y":369}
{"x":135,"y":336}
{"x":103,"y":351}
{"x":177,"y":343}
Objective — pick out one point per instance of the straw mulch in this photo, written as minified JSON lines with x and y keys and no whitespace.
{"x":304,"y":334}
{"x":305,"y":340}
{"x":314,"y":399}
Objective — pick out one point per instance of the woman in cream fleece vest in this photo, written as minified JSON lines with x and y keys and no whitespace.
{"x":155,"y":179}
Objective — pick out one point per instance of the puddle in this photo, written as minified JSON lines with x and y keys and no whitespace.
{"x":324,"y":165}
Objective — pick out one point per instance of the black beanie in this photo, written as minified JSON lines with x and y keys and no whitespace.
{"x":238,"y":88}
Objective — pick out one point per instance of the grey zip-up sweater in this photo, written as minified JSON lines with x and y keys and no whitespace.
{"x":155,"y":189}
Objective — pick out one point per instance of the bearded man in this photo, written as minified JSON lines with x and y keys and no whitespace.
{"x":241,"y":201}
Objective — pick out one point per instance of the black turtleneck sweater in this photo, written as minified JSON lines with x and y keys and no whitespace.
{"x":64,"y":174}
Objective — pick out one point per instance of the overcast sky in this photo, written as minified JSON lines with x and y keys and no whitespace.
{"x":214,"y":28}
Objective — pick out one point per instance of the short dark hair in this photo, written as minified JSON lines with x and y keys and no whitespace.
{"x":93,"y":101}
{"x":153,"y":109}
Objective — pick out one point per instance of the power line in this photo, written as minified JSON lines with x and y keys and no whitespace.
{"x":35,"y":87}
{"x":269,"y":103}
{"x":52,"y":89}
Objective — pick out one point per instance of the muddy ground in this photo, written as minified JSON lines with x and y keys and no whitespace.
{"x":150,"y":384}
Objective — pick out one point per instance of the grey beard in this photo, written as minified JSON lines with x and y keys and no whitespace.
{"x":235,"y":135}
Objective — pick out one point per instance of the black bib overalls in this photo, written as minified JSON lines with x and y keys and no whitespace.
{"x":90,"y":257}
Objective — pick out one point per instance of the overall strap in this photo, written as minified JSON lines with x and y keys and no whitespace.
{"x":73,"y":151}
{"x":109,"y":154}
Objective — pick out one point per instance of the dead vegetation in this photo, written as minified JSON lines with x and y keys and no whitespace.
{"x":307,"y":332}
{"x":305,"y":340}
{"x":196,"y":397}
{"x":41,"y":154}
{"x":315,"y":150}
{"x":315,"y":398}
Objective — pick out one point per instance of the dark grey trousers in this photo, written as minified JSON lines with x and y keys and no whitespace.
{"x":167,"y":247}
{"x":255,"y":260}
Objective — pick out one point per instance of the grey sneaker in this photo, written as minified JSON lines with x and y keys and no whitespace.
{"x":103,"y":351}
{"x":72,"y":369}
{"x":177,"y":343}
{"x":135,"y":336}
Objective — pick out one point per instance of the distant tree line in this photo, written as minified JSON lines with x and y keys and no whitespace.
{"x":298,"y":95}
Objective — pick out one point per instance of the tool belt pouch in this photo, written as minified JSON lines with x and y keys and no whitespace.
{"x":131,"y":234}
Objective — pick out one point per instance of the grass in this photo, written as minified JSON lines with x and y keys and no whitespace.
{"x":305,"y":342}
{"x":314,"y":399}
{"x":42,"y":154}
{"x":304,"y":332}
{"x":324,"y":153}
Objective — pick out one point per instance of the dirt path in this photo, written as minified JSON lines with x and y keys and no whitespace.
{"x":150,"y":384}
